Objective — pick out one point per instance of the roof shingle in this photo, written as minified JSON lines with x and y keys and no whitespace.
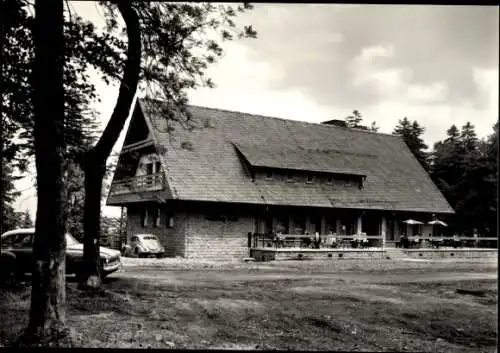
{"x":210,"y":169}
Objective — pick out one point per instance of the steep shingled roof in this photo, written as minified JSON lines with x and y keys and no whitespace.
{"x":203,"y":164}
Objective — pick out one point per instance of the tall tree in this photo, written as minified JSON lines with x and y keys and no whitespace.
{"x":412,"y":132}
{"x":447,"y":163}
{"x":489,"y":149}
{"x":179,"y":44}
{"x":47,"y":312}
{"x":26,"y":221}
{"x":16,"y":100}
{"x":9,"y":219}
{"x":175,"y":54}
{"x":14,"y":77}
{"x":95,"y":159}
{"x":462,"y":169}
{"x":355,"y":121}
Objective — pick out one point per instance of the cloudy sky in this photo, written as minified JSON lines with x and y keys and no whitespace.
{"x":434,"y":64}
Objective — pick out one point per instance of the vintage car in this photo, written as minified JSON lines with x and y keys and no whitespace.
{"x":144,"y":245}
{"x":17,"y":254}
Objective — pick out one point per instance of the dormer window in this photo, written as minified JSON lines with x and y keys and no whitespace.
{"x":269,"y":175}
{"x":362,"y":182}
{"x":309,"y":179}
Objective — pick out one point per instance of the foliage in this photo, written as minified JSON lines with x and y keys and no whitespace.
{"x":465,"y":170}
{"x":17,"y":105}
{"x":9,"y":219}
{"x":355,"y":120}
{"x":26,"y":221}
{"x":179,"y":41}
{"x":412,"y":132}
{"x":110,"y":231}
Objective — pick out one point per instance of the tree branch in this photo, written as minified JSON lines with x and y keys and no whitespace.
{"x":128,"y":85}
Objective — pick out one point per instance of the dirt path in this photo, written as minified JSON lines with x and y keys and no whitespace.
{"x":187,"y":277}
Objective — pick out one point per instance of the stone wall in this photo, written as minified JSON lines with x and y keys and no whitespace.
{"x":451,"y":253}
{"x":307,"y":254}
{"x":172,"y":238}
{"x":218,"y":239}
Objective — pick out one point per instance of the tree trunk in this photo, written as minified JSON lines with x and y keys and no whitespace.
{"x":94,"y":173}
{"x":48,"y":296}
{"x":95,"y":163}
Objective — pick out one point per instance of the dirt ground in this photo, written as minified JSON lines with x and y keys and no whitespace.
{"x":348,"y":305}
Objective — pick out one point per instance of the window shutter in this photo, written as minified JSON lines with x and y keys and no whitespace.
{"x":170,"y":220}
{"x":146,"y":217}
{"x":158,"y":217}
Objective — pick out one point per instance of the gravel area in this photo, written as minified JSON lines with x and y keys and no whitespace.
{"x":312,"y":265}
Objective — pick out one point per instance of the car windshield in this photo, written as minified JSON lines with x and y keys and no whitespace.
{"x":70,"y":241}
{"x":149,"y":237}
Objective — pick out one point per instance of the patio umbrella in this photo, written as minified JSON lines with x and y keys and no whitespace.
{"x":412,"y":221}
{"x":438,"y":222}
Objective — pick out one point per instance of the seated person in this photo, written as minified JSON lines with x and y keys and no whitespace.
{"x":333,"y":240}
{"x":307,"y":240}
{"x":316,"y":240}
{"x":404,"y":241}
{"x":279,"y":239}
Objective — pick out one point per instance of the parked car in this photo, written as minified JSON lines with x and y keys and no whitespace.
{"x":17,"y":253}
{"x":144,"y":245}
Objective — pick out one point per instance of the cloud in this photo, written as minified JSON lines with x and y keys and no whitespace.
{"x":244,"y":85}
{"x":426,"y":94}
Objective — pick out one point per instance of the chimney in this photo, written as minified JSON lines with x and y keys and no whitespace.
{"x":335,"y":122}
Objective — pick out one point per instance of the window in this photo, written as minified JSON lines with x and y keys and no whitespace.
{"x":289,"y":177}
{"x":23,"y":240}
{"x":329,"y":179}
{"x":144,"y":218}
{"x":269,"y":175}
{"x":156,"y":217}
{"x":170,"y":220}
{"x":299,"y":223}
{"x":14,"y":240}
{"x":157,"y":170}
{"x":282,"y":223}
{"x":309,"y":179}
{"x":149,"y":168}
{"x":347,"y":183}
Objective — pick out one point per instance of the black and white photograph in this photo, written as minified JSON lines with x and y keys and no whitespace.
{"x":249,"y":176}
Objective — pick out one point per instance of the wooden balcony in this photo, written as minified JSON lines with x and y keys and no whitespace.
{"x":140,"y":183}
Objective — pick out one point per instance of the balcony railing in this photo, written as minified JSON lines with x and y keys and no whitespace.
{"x":140,"y":183}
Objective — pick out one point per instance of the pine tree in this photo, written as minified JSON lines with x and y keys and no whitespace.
{"x":412,"y":135}
{"x":463,"y":170}
{"x":355,"y":121}
{"x":27,"y":222}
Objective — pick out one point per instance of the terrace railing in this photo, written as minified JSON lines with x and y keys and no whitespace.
{"x":455,"y":242}
{"x":307,"y":241}
{"x":368,"y":241}
{"x":140,"y":183}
